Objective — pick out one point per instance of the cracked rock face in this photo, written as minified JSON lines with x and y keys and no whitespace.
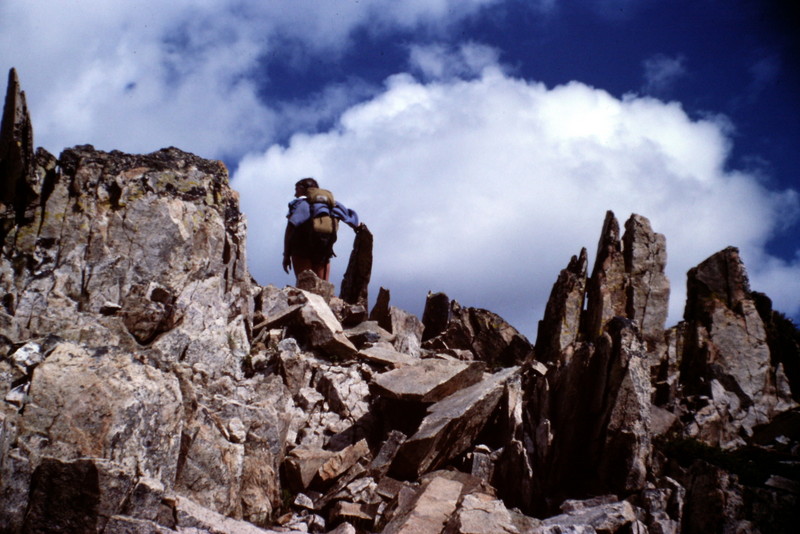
{"x":149,"y":385}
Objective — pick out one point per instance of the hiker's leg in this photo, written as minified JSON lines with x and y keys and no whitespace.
{"x":323,"y":271}
{"x":300,"y":264}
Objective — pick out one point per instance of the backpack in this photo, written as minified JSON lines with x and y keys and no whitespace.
{"x":323,"y":224}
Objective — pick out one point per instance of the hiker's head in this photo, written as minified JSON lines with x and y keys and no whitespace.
{"x":303,"y":185}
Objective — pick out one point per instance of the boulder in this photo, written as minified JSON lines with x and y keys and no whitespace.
{"x":604,"y":517}
{"x":450,"y":426}
{"x":428,"y":510}
{"x":479,"y":513}
{"x":384,"y":353}
{"x":479,"y":333}
{"x":427,"y":381}
{"x":316,"y":325}
{"x":368,"y":333}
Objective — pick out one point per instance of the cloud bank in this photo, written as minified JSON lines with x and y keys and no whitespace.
{"x":475,"y":182}
{"x":141,"y":75}
{"x":484,"y":188}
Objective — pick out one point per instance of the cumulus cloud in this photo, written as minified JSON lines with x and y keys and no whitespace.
{"x":474,"y":182}
{"x":484,"y":188}
{"x":440,"y":61}
{"x":661,"y":72}
{"x":140,"y":75}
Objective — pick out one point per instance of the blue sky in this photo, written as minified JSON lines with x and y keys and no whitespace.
{"x":482,"y":141}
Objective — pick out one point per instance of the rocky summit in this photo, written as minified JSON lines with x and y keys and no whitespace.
{"x":150,"y":385}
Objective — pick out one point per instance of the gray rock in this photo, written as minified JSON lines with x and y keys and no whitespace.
{"x":103,"y":406}
{"x":385,"y":354}
{"x":480,"y":334}
{"x":407,"y":330}
{"x":428,"y":380}
{"x":479,"y":513}
{"x":319,"y":326}
{"x":192,"y":517}
{"x":450,"y":426}
{"x":560,"y":326}
{"x":728,"y":361}
{"x":429,"y":510}
{"x":606,"y":517}
{"x":645,"y":254}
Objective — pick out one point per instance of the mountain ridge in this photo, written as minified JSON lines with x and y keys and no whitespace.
{"x":151,"y":385}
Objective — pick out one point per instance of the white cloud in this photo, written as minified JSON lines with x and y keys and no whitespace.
{"x":140,"y":75}
{"x":485,"y":188}
{"x":441,"y":62}
{"x":661,"y":72}
{"x":481,"y":187}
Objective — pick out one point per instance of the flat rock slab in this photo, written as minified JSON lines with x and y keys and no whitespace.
{"x":427,"y":380}
{"x":602,"y":518}
{"x":450,"y":426}
{"x":480,"y":513}
{"x":385,"y":354}
{"x":429,"y":511}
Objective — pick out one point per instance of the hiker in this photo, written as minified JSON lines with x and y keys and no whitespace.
{"x":313,"y":220}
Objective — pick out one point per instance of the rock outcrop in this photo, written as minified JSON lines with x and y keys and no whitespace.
{"x":150,"y":385}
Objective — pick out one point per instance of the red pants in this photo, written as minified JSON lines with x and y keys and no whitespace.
{"x":301,"y":263}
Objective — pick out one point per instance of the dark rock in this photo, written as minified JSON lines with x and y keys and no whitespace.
{"x":359,"y":269}
{"x":310,"y":282}
{"x":368,"y":333}
{"x":605,"y":295}
{"x":18,"y":182}
{"x":436,"y":315}
{"x":485,"y":335}
{"x":380,"y":312}
{"x":450,"y":426}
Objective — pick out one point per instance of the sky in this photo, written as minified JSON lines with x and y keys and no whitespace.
{"x":481,"y":141}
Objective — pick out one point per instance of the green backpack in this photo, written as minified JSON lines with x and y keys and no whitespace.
{"x":323,"y":224}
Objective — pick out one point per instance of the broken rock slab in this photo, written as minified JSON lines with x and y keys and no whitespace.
{"x":311,"y":320}
{"x":428,"y":380}
{"x":307,"y":467}
{"x":605,"y":517}
{"x":368,"y":333}
{"x":429,"y":510}
{"x":385,"y":354}
{"x":480,"y":513}
{"x":450,"y":427}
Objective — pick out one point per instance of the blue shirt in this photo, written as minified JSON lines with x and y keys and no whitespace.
{"x":300,"y":210}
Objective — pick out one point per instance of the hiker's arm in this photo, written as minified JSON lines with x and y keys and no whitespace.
{"x":350,"y":217}
{"x":287,"y":238}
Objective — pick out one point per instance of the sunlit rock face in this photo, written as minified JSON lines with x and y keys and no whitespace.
{"x":150,"y":385}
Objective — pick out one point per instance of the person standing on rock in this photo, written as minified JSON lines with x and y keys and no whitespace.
{"x":312,"y":222}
